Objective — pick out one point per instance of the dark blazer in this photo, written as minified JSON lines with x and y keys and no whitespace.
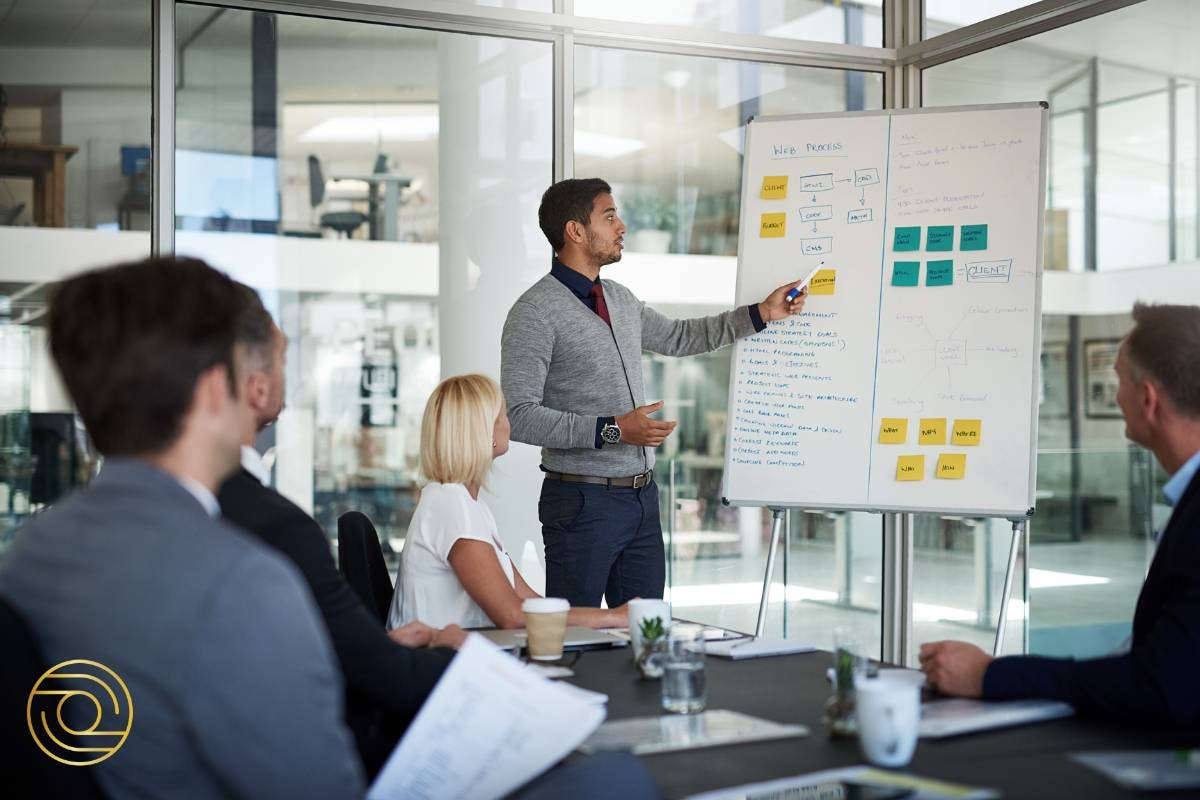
{"x":1157,"y":680}
{"x":389,"y":676}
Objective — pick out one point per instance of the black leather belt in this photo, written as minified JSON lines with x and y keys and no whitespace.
{"x":633,"y":481}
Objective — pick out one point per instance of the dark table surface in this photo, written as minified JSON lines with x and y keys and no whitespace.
{"x":1029,"y":761}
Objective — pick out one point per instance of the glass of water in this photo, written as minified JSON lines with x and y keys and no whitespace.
{"x":684,"y":690}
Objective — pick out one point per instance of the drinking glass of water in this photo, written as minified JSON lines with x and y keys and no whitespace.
{"x":684,"y":690}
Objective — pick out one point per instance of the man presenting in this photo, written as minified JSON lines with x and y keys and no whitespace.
{"x":1158,"y":390}
{"x":571,"y":373}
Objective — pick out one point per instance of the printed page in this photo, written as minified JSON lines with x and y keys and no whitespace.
{"x":490,"y":726}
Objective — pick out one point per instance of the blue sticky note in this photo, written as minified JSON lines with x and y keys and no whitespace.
{"x":907,"y":239}
{"x":940,"y":238}
{"x":973,"y":237}
{"x":906,"y":273}
{"x":939,"y":273}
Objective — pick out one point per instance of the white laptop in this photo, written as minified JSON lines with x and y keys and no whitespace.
{"x":577,"y":638}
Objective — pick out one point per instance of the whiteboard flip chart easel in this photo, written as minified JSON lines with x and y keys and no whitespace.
{"x":910,"y":382}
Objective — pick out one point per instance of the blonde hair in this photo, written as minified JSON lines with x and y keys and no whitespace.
{"x":457,"y":430}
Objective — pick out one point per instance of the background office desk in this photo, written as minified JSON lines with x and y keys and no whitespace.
{"x":46,"y":164}
{"x":381,"y":216}
{"x":1021,"y":762}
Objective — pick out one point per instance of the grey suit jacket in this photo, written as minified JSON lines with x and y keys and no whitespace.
{"x":234,"y":687}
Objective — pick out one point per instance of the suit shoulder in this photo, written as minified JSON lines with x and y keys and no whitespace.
{"x":242,"y":497}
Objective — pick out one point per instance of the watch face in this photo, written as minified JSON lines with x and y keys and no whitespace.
{"x":610,"y":434}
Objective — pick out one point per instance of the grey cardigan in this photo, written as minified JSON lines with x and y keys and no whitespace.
{"x":561,"y":368}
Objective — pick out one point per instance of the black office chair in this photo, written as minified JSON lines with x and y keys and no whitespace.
{"x":344,"y":222}
{"x":20,"y":666}
{"x":360,"y":558}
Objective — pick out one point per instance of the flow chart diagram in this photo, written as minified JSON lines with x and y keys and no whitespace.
{"x":773,"y":224}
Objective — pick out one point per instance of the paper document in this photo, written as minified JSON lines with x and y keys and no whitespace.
{"x":490,"y":725}
{"x":942,"y":718}
{"x":750,"y":647}
{"x":828,"y":784}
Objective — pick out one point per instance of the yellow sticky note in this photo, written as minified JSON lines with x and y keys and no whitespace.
{"x":773,"y":226}
{"x":910,"y":468}
{"x":951,"y":466}
{"x":893,"y":430}
{"x":774,"y":187}
{"x":933,"y":430}
{"x":824,"y":282}
{"x":966,"y":432}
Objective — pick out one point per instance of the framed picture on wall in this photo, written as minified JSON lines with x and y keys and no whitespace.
{"x":1053,"y":400}
{"x":1100,"y":378}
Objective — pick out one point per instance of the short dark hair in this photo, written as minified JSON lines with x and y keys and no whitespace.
{"x":131,"y":341}
{"x":254,"y":330}
{"x":1164,"y":346}
{"x":568,"y":200}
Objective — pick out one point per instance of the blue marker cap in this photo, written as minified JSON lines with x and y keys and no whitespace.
{"x":792,"y":294}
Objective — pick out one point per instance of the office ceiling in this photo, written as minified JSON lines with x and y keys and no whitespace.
{"x":126,"y":23}
{"x":74,"y":23}
{"x":1157,"y":34}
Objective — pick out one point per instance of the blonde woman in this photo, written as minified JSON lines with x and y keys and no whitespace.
{"x":453,"y":568}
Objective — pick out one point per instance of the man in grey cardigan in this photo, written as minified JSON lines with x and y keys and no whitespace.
{"x":571,"y":373}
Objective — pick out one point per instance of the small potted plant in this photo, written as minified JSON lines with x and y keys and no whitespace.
{"x":650,"y":659}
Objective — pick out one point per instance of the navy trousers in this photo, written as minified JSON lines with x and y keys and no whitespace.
{"x":601,"y":542}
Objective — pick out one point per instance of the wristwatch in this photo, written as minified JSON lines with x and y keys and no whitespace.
{"x":611,"y":433}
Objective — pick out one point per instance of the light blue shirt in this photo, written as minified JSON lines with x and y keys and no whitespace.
{"x":1175,"y":487}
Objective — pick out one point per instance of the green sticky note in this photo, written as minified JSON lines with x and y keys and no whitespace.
{"x":906,"y":273}
{"x":939,"y":273}
{"x":907,"y":239}
{"x":973,"y":237}
{"x":940,"y":238}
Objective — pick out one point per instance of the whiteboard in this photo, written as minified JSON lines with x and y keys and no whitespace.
{"x":910,"y":381}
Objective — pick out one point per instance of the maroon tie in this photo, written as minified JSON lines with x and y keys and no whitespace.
{"x":601,"y":306}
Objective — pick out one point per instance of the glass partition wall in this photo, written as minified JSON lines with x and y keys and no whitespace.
{"x":75,"y":192}
{"x":353,"y":173}
{"x":375,"y":174}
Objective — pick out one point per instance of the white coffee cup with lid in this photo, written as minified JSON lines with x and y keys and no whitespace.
{"x":545,"y":626}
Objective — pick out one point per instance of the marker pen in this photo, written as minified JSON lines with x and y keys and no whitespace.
{"x":794,"y":292}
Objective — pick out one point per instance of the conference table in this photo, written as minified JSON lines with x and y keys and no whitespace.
{"x":1029,"y":761}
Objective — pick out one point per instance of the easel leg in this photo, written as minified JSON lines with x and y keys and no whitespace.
{"x":776,"y":531}
{"x":1018,"y":530}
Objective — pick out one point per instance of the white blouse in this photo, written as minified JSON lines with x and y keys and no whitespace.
{"x":427,"y":589}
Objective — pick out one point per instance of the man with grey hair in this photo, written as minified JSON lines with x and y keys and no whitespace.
{"x":1158,"y":373}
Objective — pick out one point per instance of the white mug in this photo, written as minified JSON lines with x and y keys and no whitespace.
{"x":888,"y":708}
{"x":645,"y":609}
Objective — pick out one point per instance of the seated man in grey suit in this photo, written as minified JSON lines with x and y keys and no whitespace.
{"x":234,"y":686}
